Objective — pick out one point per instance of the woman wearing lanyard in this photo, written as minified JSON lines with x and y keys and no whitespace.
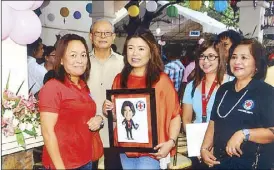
{"x":200,"y":93}
{"x":241,"y":128}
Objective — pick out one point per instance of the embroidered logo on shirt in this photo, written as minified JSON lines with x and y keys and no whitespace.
{"x":140,"y":105}
{"x":248,"y":104}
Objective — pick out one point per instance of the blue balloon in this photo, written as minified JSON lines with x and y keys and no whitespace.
{"x":77,"y":15}
{"x":89,"y":8}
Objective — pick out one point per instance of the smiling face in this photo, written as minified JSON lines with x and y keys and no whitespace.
{"x":242,"y":63}
{"x":128,"y":113}
{"x":138,"y":54}
{"x":99,"y":35}
{"x":75,"y":59}
{"x":205,"y":64}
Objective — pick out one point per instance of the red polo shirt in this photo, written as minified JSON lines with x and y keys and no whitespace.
{"x":74,"y":107}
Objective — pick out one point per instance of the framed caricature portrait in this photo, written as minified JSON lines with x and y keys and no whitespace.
{"x":133,"y":122}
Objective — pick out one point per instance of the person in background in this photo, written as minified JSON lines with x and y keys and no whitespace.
{"x":50,"y":60}
{"x":67,"y":110}
{"x":200,"y":93}
{"x":241,"y":127}
{"x":36,"y":72}
{"x":105,"y":65}
{"x":42,"y":60}
{"x":144,"y":69}
{"x":230,"y":39}
{"x":174,"y":68}
{"x":190,"y":53}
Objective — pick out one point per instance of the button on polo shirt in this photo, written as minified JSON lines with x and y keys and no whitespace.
{"x":100,"y":79}
{"x":254,"y":110}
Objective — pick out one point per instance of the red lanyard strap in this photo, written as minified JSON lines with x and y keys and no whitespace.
{"x":205,"y":98}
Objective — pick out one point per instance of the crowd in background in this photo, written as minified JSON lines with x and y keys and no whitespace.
{"x":218,"y":80}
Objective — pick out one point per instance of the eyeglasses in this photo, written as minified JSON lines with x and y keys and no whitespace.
{"x":100,"y":34}
{"x":210,"y":57}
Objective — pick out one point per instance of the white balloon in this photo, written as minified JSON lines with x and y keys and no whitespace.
{"x":7,"y":20}
{"x":27,"y":27}
{"x":36,"y":4}
{"x":151,"y":6}
{"x":20,"y":5}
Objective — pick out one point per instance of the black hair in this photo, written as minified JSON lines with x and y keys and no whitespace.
{"x":173,"y":51}
{"x":130,"y":105}
{"x":31,"y":48}
{"x":48,"y":50}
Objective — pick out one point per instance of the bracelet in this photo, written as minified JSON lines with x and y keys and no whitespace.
{"x":173,"y":140}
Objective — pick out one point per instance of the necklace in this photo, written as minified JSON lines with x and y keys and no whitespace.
{"x":231,"y":108}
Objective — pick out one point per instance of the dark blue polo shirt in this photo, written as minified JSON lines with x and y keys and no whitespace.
{"x":253,"y":107}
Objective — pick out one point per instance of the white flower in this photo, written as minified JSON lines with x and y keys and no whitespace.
{"x":29,"y":126}
{"x":15,"y":122}
{"x":22,"y":126}
{"x":8,"y":113}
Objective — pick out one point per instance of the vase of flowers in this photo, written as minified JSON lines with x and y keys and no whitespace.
{"x":20,"y":115}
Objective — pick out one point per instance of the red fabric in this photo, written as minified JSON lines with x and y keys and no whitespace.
{"x":74,"y":107}
{"x":167,"y":107}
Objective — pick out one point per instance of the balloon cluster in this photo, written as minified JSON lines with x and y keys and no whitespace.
{"x":19,"y":22}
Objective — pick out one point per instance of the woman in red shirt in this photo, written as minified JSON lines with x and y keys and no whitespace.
{"x":68,"y":121}
{"x":144,"y":69}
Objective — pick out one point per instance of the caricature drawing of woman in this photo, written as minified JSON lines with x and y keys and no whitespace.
{"x":128,"y":111}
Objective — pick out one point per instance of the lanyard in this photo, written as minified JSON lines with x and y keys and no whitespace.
{"x":205,"y":98}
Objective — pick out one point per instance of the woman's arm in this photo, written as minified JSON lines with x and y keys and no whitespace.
{"x":174,"y":130}
{"x":206,"y":149}
{"x":262,"y":135}
{"x":187,"y":114}
{"x":48,"y":121}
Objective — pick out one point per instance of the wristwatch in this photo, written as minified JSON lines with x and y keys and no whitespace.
{"x":102,"y":124}
{"x":246,"y":132}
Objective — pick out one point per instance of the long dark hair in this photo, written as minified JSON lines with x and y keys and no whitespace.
{"x":61,"y":48}
{"x":199,"y":74}
{"x":155,"y":64}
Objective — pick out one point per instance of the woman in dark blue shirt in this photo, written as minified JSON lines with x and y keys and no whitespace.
{"x":241,"y":128}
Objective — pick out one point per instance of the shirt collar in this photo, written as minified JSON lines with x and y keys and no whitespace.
{"x":112,"y":53}
{"x":251,"y":85}
{"x":69,"y":83}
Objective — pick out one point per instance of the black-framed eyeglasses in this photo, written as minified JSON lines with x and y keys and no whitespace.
{"x":100,"y":34}
{"x":210,"y":57}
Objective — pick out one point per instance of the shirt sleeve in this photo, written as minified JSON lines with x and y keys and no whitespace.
{"x":187,"y":99}
{"x":50,"y":97}
{"x":267,"y":108}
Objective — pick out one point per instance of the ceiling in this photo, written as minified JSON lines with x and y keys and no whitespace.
{"x":171,"y":28}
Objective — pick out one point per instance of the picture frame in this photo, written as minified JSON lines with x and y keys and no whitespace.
{"x":132,"y":122}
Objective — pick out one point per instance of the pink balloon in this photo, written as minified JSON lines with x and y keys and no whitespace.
{"x":20,"y":5}
{"x":27,"y":27}
{"x":36,"y":5}
{"x":7,"y":20}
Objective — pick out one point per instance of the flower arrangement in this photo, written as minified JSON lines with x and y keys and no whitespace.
{"x":19,"y":115}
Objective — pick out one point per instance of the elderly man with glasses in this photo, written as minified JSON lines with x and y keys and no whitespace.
{"x":105,"y":65}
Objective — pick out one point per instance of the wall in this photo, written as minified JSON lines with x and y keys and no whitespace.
{"x":14,"y":60}
{"x":71,"y":25}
